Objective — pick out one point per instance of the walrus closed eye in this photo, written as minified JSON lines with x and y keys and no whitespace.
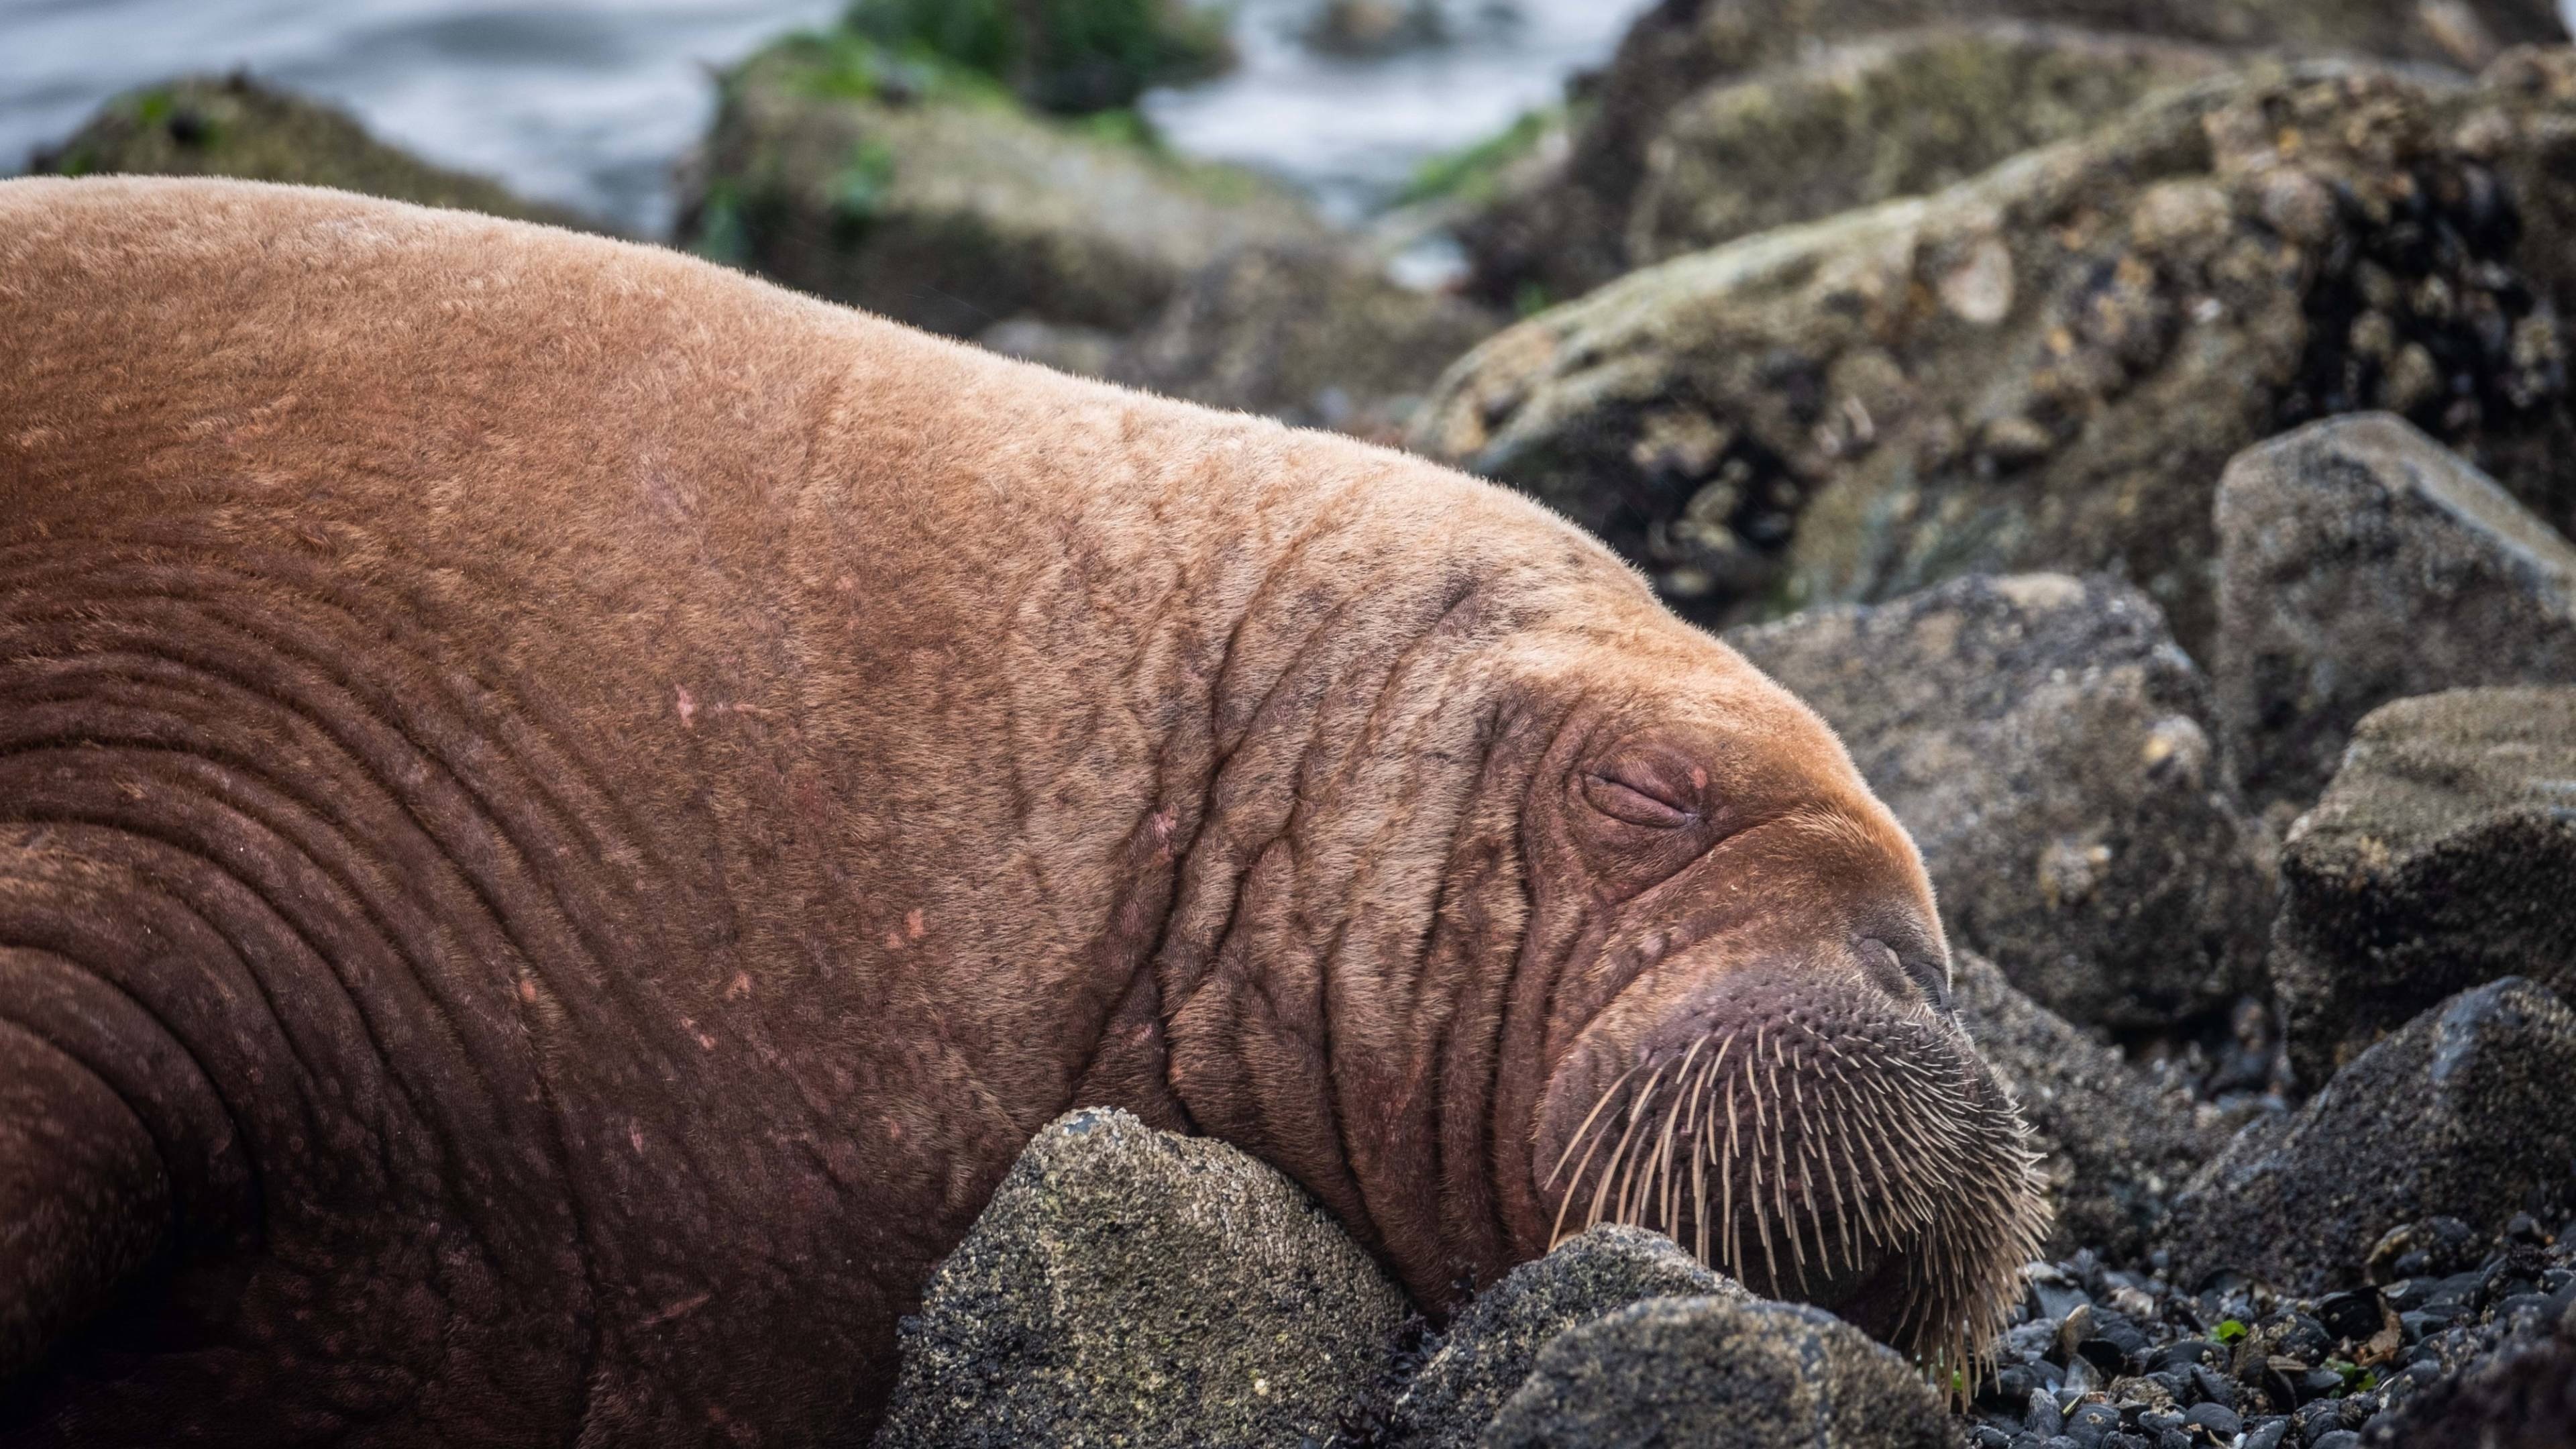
{"x":565,"y":815}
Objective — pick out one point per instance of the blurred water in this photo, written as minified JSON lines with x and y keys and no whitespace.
{"x":588,"y":102}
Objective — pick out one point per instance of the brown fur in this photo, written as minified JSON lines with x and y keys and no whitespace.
{"x":586,"y":807}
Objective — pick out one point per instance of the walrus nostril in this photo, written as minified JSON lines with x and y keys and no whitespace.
{"x":1902,"y":971}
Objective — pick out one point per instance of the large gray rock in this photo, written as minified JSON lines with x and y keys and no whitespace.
{"x":1886,"y":116}
{"x":239,"y":127}
{"x":1134,"y":1287}
{"x":2049,"y":365}
{"x":1564,"y":234}
{"x":1491,"y":1347}
{"x":2360,"y":562}
{"x":844,"y":169}
{"x":2045,"y":742}
{"x":2114,"y":1143}
{"x":2466,"y":1113}
{"x":1674,"y":1371}
{"x":1309,"y":334}
{"x":2443,"y":856}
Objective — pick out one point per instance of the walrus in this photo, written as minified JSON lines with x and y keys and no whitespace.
{"x":565,"y":814}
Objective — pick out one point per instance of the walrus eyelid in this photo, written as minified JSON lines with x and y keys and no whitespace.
{"x":1638,"y":802}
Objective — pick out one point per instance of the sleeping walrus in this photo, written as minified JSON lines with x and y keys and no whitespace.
{"x":564,"y":815}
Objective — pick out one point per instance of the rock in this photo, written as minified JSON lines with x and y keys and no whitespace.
{"x":1082,"y":351}
{"x":1129,"y":1286}
{"x":2113,"y":1143}
{"x":1889,"y":116}
{"x":2522,"y":1398}
{"x":1717,"y":1371}
{"x":925,"y":194}
{"x":1492,"y":1345}
{"x":1074,"y":58}
{"x":2443,"y":856}
{"x":2464,"y":1113}
{"x":1368,"y":28}
{"x":2045,"y":742}
{"x":2048,"y":365}
{"x":1307,"y":334}
{"x":235,"y":126}
{"x":1566,"y":234}
{"x":2360,"y":562}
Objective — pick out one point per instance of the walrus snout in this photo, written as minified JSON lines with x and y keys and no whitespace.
{"x":1812,"y":1123}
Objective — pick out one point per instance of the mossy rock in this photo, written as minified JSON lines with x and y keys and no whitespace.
{"x":234,"y":126}
{"x":1070,"y":56}
{"x":2049,"y":366}
{"x":922,"y":190}
{"x":1566,"y":233}
{"x":1895,"y":115}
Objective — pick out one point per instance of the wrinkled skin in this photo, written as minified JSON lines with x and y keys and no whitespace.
{"x":564,"y":815}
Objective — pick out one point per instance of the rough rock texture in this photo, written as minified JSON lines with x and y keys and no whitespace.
{"x":2465,"y":1113}
{"x":2444,"y":855}
{"x":1889,"y":116}
{"x":1674,"y":1371}
{"x":1491,"y":1347}
{"x":2048,"y":365}
{"x":2362,"y":562}
{"x":235,"y":126}
{"x":1308,"y":334}
{"x":2114,"y":1142}
{"x":1059,"y":55}
{"x":2045,"y":742}
{"x":1129,"y":1286}
{"x":1565,"y":233}
{"x":2523,"y":1398}
{"x":929,"y":196}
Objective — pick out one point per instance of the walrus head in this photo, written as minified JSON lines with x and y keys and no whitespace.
{"x":1746,"y":1038}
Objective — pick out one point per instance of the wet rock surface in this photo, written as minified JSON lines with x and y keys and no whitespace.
{"x":1130,"y":1286}
{"x":2047,"y":745}
{"x":1566,"y":232}
{"x":2362,"y":562}
{"x":1719,"y":1371}
{"x":1490,"y":1348}
{"x":2048,"y":365}
{"x":1882,"y":117}
{"x":2443,"y":856}
{"x":2465,"y":1113}
{"x":1310,"y":334}
{"x":236,"y":126}
{"x":2121,"y":1358}
{"x":857,"y":173}
{"x":2115,"y":1140}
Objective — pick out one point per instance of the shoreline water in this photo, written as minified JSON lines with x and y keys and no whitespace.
{"x":590,"y":103}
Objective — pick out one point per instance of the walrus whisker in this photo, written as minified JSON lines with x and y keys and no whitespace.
{"x":1664,"y":1153}
{"x":1601,"y":1193}
{"x":1576,"y":1140}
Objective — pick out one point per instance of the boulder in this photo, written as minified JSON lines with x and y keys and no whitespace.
{"x":1306,"y":333}
{"x":2465,"y":1113}
{"x":2048,"y":365}
{"x":1566,"y":233}
{"x":1072,"y":56}
{"x":1718,"y":1371}
{"x":1888,"y":116}
{"x":1130,"y":1286}
{"x":2047,"y":744}
{"x":925,"y":193}
{"x":235,"y":126}
{"x":1492,"y":1345}
{"x":2360,"y":562}
{"x":2443,"y":856}
{"x":2523,"y":1397}
{"x":2114,"y":1143}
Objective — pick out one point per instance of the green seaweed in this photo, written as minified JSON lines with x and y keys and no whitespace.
{"x":1069,"y":56}
{"x":1473,"y":173}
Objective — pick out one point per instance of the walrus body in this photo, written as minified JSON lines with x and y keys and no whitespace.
{"x":565,"y":814}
